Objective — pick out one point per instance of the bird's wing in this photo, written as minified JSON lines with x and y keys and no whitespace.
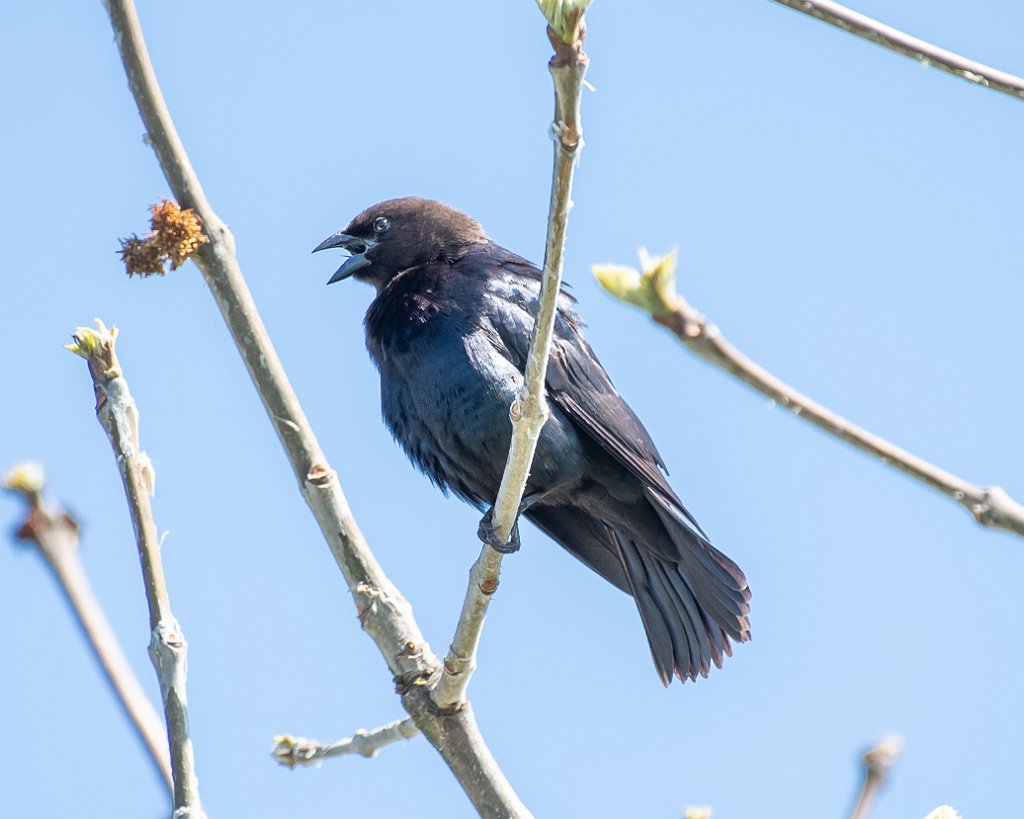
{"x":579,"y":386}
{"x":692,"y":598}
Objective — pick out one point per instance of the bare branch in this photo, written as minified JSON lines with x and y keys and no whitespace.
{"x":55,"y":533}
{"x":529,"y":412}
{"x":383,"y":612}
{"x":902,"y":43}
{"x":291,"y":751}
{"x":878,"y":763}
{"x":654,"y":291}
{"x":119,"y":417}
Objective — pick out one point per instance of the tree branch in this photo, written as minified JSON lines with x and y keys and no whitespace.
{"x":902,"y":43}
{"x":291,"y":751}
{"x":383,"y":612}
{"x":654,"y":291}
{"x":878,"y":763}
{"x":529,"y":412}
{"x":168,"y":649}
{"x":55,"y":533}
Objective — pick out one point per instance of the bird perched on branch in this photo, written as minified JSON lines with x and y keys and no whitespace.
{"x":450,"y":332}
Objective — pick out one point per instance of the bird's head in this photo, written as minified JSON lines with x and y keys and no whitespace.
{"x":397,"y":234}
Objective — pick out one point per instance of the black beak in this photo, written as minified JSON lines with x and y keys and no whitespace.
{"x":354,"y":245}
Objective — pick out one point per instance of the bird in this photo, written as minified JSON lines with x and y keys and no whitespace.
{"x":449,"y":330}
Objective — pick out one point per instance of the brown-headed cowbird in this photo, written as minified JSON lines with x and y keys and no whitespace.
{"x":450,"y":330}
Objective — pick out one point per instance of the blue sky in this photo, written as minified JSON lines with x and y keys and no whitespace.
{"x":848,"y":217}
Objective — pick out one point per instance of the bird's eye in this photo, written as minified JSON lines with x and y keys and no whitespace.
{"x":381,"y":224}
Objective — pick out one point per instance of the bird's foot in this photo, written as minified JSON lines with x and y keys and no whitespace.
{"x":487,"y":533}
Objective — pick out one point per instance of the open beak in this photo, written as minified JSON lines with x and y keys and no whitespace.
{"x":354,"y":245}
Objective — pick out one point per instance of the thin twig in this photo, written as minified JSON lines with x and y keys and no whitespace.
{"x":903,"y":43}
{"x":168,"y":649}
{"x":55,"y":533}
{"x":383,"y":612}
{"x":654,"y":291}
{"x":878,"y":763}
{"x":529,"y":412}
{"x":291,"y":751}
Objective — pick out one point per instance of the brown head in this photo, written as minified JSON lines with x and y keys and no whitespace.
{"x":397,"y":234}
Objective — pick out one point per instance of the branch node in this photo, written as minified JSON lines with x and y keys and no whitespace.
{"x":998,"y":510}
{"x":415,"y":678}
{"x":320,"y":474}
{"x":366,"y":597}
{"x":413,"y":650}
{"x":570,"y":138}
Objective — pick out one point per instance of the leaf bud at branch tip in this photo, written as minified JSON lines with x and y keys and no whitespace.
{"x":565,"y":18}
{"x":652,"y":288}
{"x":27,"y":478}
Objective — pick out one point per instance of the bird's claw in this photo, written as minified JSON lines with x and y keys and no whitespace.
{"x":487,"y":534}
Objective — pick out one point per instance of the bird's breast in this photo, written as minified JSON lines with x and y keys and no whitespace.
{"x":445,"y":396}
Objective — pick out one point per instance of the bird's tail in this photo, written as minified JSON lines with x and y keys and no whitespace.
{"x":687,"y":630}
{"x":691,"y":605}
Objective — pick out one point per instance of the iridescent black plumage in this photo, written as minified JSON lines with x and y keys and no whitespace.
{"x":449,"y":331}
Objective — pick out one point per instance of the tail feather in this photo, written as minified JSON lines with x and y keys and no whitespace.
{"x":711,"y":637}
{"x":663,"y":642}
{"x":667,"y":603}
{"x":679,"y":602}
{"x":718,"y":583}
{"x":691,"y":605}
{"x":728,"y":612}
{"x":722,"y":607}
{"x":715,"y":563}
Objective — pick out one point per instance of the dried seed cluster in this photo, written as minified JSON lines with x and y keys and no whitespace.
{"x":174,"y":236}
